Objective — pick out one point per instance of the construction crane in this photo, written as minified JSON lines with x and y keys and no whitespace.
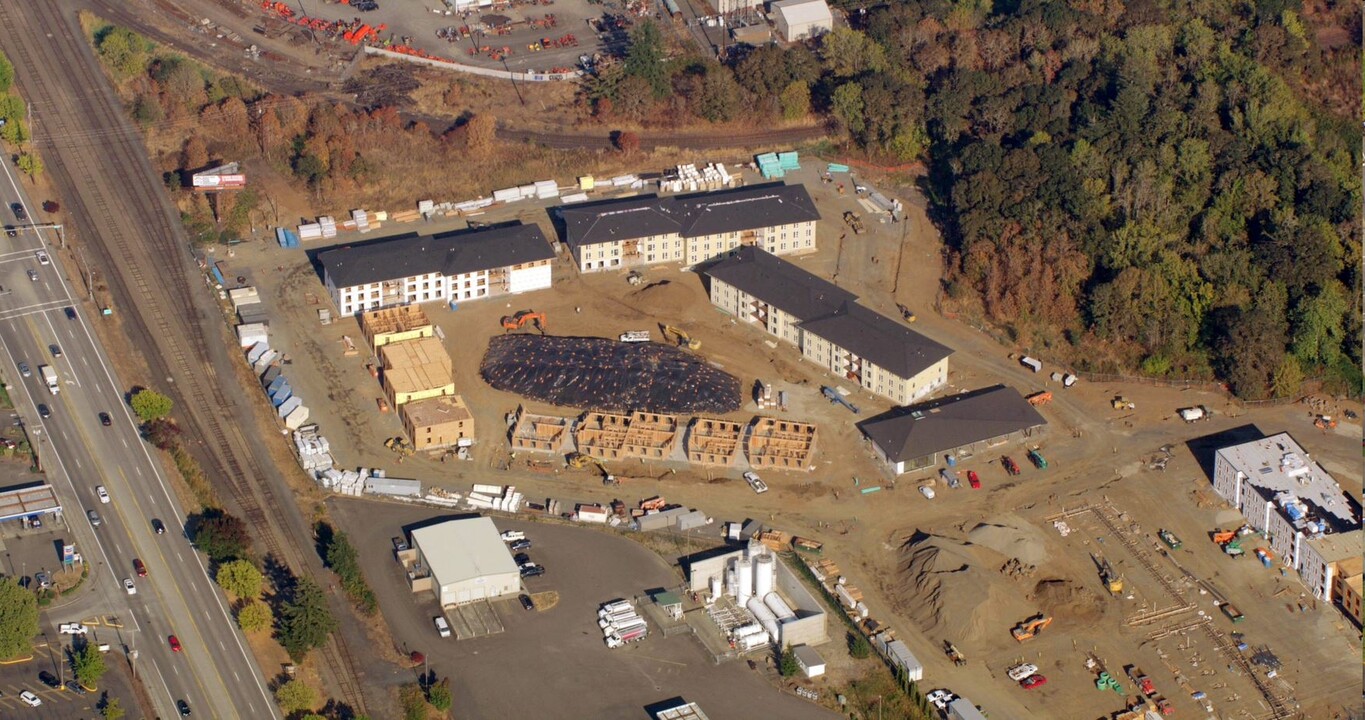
{"x":519,"y":320}
{"x":834,"y":397}
{"x":1030,"y":627}
{"x":682,"y":337}
{"x":1111,"y":579}
{"x":579,"y":461}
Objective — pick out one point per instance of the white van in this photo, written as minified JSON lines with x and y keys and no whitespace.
{"x":442,"y":627}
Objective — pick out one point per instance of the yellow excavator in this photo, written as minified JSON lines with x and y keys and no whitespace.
{"x":578,"y":461}
{"x":683,"y":338}
{"x":1111,"y":579}
{"x":1030,"y":627}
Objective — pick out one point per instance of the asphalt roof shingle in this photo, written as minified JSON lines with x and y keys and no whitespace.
{"x":452,"y":253}
{"x":710,"y":213}
{"x":779,"y":283}
{"x":952,"y":422}
{"x":875,"y":337}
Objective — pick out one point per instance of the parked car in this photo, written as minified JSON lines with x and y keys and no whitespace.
{"x":442,"y":627}
{"x":174,"y":643}
{"x":73,"y":628}
{"x":49,"y":679}
{"x":522,"y":559}
{"x":1037,"y":459}
{"x":755,"y":482}
{"x":33,"y":275}
{"x":522,"y":544}
{"x":973,"y":479}
{"x":10,"y":231}
{"x":30,"y":699}
{"x":940,"y":698}
{"x":527,"y":603}
{"x":532,"y":570}
{"x":102,"y":493}
{"x":1010,"y":466}
{"x":139,"y":567}
{"x":183,"y":707}
{"x":1021,"y":671}
{"x":926,"y":491}
{"x":1033,"y":681}
{"x":76,"y":687}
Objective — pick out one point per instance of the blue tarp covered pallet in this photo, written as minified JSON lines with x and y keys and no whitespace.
{"x":789,"y":160}
{"x":837,"y":168}
{"x":286,"y":238}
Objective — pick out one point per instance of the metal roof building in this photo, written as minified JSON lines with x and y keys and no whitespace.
{"x":917,"y":437}
{"x":467,"y":560}
{"x":801,"y":19}
{"x":688,"y":711}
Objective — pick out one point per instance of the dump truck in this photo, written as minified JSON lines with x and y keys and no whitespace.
{"x":1232,"y":612}
{"x":50,"y":378}
{"x":1144,"y":684}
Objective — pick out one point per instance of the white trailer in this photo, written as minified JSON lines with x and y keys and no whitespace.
{"x":1031,"y":363}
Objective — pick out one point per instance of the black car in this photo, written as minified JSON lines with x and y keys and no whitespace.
{"x":56,"y":350}
{"x":522,"y":558}
{"x":75,"y":687}
{"x":105,"y":420}
{"x":43,"y":411}
{"x":11,"y":232}
{"x":49,"y":679}
{"x":520,"y":545}
{"x":183,"y":707}
{"x":71,"y":313}
{"x":18,"y":210}
{"x":527,"y":603}
{"x":532,"y":570}
{"x":158,"y":526}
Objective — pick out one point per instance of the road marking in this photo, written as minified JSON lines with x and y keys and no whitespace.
{"x":78,"y":464}
{"x":125,"y":441}
{"x":36,"y":309}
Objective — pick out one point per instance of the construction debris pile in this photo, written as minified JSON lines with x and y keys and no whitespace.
{"x":607,"y":375}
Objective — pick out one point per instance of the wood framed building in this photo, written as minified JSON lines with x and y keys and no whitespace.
{"x":539,"y":433}
{"x":780,"y":444}
{"x":714,"y":442}
{"x":395,"y":324}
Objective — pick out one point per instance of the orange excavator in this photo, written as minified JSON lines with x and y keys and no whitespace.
{"x":1040,"y":398}
{"x":1030,"y":627}
{"x":519,"y":320}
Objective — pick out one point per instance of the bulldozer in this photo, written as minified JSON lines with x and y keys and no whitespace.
{"x":1030,"y":627}
{"x":683,"y":338}
{"x":1122,"y":403}
{"x":399,"y":445}
{"x":578,"y":461}
{"x":1111,"y":579}
{"x":519,"y":320}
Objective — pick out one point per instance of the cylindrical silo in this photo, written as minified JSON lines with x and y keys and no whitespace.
{"x":765,"y":617}
{"x":754,"y":548}
{"x":765,"y":573}
{"x":744,"y":577}
{"x":731,"y":585}
{"x":779,"y":607}
{"x":715,"y":587}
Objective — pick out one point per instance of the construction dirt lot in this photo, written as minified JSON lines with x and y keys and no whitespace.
{"x":964,"y":567}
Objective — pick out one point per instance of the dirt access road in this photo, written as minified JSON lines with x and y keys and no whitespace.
{"x":116,"y":210}
{"x":289,"y":69}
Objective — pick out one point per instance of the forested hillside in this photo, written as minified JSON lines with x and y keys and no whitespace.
{"x":1144,"y":188}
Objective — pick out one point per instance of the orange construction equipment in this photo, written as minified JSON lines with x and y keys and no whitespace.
{"x":1324,"y":423}
{"x":1040,"y":398}
{"x":1223,"y":537}
{"x":1030,"y":627}
{"x":519,"y":320}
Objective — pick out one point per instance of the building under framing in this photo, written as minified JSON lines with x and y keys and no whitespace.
{"x":714,"y":442}
{"x":395,"y":324}
{"x":608,"y":436}
{"x":780,"y":444}
{"x":539,"y":433}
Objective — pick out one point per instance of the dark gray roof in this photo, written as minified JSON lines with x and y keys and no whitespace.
{"x":952,"y":422}
{"x":448,"y":253}
{"x":779,"y":283}
{"x":709,"y":213}
{"x":637,"y":217}
{"x":746,"y":208}
{"x":875,"y":337}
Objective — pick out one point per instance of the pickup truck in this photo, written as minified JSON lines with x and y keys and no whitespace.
{"x":950,"y":477}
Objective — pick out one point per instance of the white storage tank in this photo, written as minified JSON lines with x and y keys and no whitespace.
{"x":715,"y":587}
{"x":746,"y":630}
{"x":744,"y":576}
{"x":765,"y":617}
{"x":779,"y":607}
{"x":765,"y":574}
{"x":731,"y":584}
{"x":754,"y":548}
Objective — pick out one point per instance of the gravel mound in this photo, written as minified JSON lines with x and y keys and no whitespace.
{"x":1019,"y":540}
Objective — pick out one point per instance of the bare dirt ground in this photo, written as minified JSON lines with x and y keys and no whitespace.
{"x":1094,"y":452}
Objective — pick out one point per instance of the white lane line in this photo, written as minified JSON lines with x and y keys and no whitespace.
{"x":125,"y":441}
{"x":78,"y":464}
{"x":27,"y":310}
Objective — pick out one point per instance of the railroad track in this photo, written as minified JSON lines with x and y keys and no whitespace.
{"x":164,"y":301}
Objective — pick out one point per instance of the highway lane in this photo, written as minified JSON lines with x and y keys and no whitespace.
{"x":213,"y":673}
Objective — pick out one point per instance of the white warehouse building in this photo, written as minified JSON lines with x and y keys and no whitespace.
{"x":801,"y":19}
{"x":462,"y":561}
{"x":449,"y":268}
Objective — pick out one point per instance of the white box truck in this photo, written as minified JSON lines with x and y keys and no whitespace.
{"x":50,"y":377}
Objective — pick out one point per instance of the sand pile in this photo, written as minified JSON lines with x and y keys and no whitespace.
{"x":951,"y":589}
{"x":1061,"y":598}
{"x":663,"y":298}
{"x":1012,"y":539}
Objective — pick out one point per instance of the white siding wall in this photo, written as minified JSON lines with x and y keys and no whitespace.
{"x":601,"y":256}
{"x":536,"y":277}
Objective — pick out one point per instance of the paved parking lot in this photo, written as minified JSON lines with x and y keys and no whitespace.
{"x":554,"y":664}
{"x":61,"y":704}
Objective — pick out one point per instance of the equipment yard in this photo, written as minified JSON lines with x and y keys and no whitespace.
{"x":965,"y":567}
